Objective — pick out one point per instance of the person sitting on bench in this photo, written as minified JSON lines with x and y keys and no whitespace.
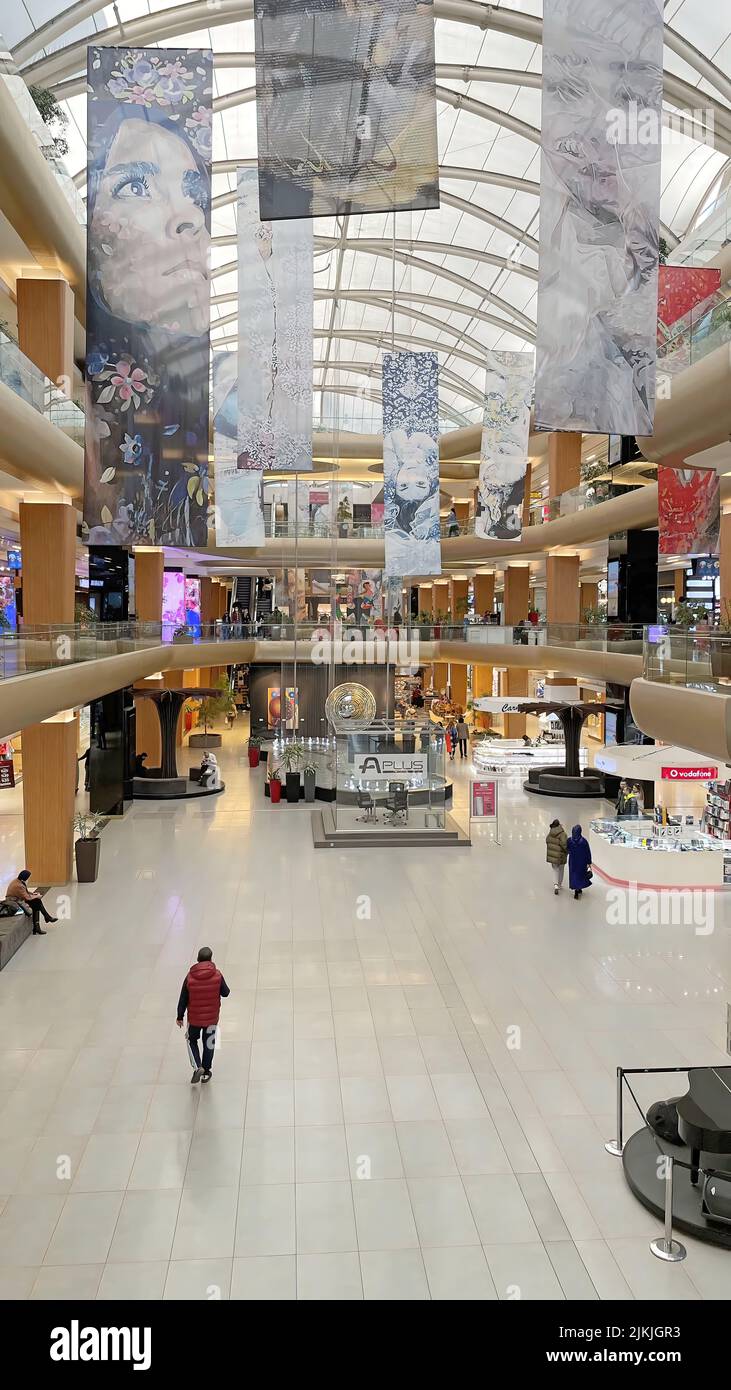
{"x":30,"y":903}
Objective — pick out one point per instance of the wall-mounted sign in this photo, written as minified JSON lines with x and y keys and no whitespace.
{"x":7,"y":773}
{"x":393,"y":765}
{"x":483,"y":800}
{"x":689,"y":774}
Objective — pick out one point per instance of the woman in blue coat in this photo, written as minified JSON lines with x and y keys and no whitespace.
{"x":579,"y":862}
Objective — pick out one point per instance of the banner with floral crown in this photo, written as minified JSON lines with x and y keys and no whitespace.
{"x":411,"y":463}
{"x":504,"y":447}
{"x":601,"y":146}
{"x":148,"y":296}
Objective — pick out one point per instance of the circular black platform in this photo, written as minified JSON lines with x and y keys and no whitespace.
{"x":555,"y":781}
{"x":170,"y":789}
{"x":639,"y":1161}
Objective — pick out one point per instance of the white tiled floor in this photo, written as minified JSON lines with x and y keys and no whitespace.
{"x":371,"y":1131}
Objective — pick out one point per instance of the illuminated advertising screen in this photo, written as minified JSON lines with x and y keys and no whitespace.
{"x":173,"y":602}
{"x":193,"y":607}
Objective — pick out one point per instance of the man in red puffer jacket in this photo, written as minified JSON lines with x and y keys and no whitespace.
{"x":203,"y":989}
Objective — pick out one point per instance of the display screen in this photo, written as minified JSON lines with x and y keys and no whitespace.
{"x":173,"y":602}
{"x":193,"y":607}
{"x":610,"y":727}
{"x":615,"y":449}
{"x":7,"y":602}
{"x":613,"y":589}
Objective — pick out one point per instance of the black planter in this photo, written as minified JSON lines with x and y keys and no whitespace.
{"x":408,"y":743}
{"x":87,"y":860}
{"x":293,"y":787}
{"x":263,"y":754}
{"x":310,"y":782}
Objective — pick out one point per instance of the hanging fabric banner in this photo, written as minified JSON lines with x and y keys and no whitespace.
{"x":411,"y":463}
{"x":275,"y":344}
{"x":345,"y":106}
{"x":504,"y":447}
{"x":238,"y":510}
{"x":689,"y":511}
{"x":601,"y":143}
{"x":149,"y":116}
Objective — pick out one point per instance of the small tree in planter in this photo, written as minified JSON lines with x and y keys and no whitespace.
{"x":254,"y":750}
{"x":212,"y":707}
{"x":292,"y":757}
{"x":309,"y":772}
{"x":88,"y":846}
{"x":275,"y":786}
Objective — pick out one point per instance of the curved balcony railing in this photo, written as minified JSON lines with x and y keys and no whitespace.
{"x":24,"y":379}
{"x":698,"y":659}
{"x":34,"y":649}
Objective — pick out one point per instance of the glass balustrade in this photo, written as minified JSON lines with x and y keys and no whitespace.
{"x":24,"y":379}
{"x":700,"y":660}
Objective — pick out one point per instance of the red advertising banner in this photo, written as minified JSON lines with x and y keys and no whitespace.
{"x":483,"y":801}
{"x":689,"y":511}
{"x":680,"y":288}
{"x":689,"y":774}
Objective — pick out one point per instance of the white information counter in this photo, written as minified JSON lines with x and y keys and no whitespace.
{"x":643,"y":853}
{"x":504,"y":754}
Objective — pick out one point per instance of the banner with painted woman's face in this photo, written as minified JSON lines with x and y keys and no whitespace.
{"x":411,"y":463}
{"x":148,"y":296}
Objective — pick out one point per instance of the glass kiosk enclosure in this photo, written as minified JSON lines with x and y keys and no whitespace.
{"x":390,"y":775}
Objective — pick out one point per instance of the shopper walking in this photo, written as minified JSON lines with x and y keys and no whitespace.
{"x":452,"y":739}
{"x":30,"y":902}
{"x":452,"y":523}
{"x":579,"y":862}
{"x":463,"y":734}
{"x":557,"y":852}
{"x":203,"y":989}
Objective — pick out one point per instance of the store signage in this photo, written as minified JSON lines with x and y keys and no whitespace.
{"x":390,"y":764}
{"x":689,"y":774}
{"x":7,"y":773}
{"x":483,"y":800}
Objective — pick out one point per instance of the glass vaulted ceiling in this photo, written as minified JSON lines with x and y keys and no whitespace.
{"x":465,"y":277}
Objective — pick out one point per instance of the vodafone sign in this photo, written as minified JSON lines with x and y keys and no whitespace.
{"x":689,"y":774}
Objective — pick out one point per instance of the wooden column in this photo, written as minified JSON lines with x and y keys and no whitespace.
{"x":725,"y":570}
{"x":48,"y":540}
{"x":564,"y":463}
{"x":46,"y":327}
{"x":458,"y":683}
{"x":482,"y":685}
{"x":562,"y":588}
{"x":426,"y":598}
{"x":149,"y":566}
{"x":517,"y":590}
{"x":588,"y":597}
{"x":526,"y":494}
{"x":440,"y":675}
{"x":484,"y":590}
{"x":49,"y":781}
{"x":459,"y":592}
{"x":516,"y":683}
{"x":440,"y":597}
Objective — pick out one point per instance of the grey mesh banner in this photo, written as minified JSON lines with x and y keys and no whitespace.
{"x":275,"y":336}
{"x":411,"y":463}
{"x":504,"y":447}
{"x":346,"y":113}
{"x":599,"y":229}
{"x":148,"y":294}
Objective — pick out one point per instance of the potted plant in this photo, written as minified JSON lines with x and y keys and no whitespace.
{"x":88,"y":846}
{"x":254,"y":750}
{"x":292,"y":756}
{"x":275,"y":786}
{"x":688,"y":614}
{"x":211,"y":707}
{"x":309,"y":773}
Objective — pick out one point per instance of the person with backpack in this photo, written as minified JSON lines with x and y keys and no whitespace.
{"x":203,"y":989}
{"x":557,"y":852}
{"x":579,"y":862}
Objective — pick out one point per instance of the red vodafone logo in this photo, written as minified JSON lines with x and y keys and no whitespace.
{"x":689,"y":774}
